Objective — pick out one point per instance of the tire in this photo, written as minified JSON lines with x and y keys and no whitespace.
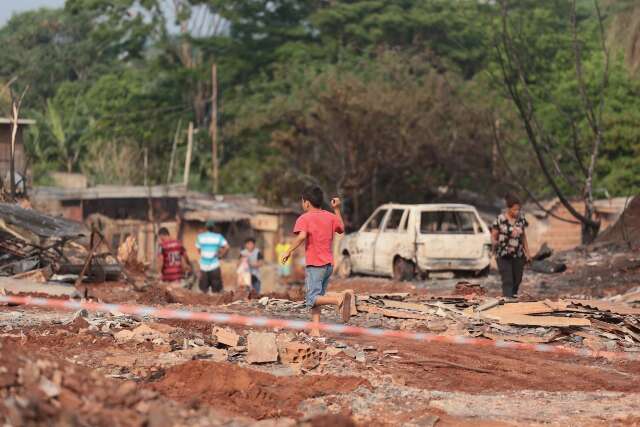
{"x":403,"y":270}
{"x":484,"y":272}
{"x":345,"y":268}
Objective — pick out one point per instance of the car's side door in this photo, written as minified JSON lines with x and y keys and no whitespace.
{"x":390,"y":240}
{"x":362,"y":259}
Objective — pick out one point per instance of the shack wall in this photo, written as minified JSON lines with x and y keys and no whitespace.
{"x":5,"y":151}
{"x":558,"y":234}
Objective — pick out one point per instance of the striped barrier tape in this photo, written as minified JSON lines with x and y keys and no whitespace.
{"x":235,"y":319}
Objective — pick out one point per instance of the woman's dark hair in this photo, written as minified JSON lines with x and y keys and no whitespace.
{"x":164,"y":231}
{"x":314,"y":195}
{"x":511,"y":200}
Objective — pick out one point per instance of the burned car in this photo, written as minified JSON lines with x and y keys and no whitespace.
{"x":402,"y":241}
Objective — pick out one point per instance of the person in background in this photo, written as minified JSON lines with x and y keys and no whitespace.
{"x":284,"y":270}
{"x":173,"y":260}
{"x":243,"y":274}
{"x":254,"y":260}
{"x":212,"y":246}
{"x":510,"y":246}
{"x":316,"y":228}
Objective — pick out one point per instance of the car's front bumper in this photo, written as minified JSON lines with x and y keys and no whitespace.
{"x":445,"y":264}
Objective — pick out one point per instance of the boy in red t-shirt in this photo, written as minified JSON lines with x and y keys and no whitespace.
{"x":170,"y":259}
{"x":316,"y":228}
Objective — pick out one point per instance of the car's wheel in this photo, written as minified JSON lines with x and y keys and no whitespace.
{"x":345,"y":268}
{"x":484,"y":272}
{"x":403,"y":270}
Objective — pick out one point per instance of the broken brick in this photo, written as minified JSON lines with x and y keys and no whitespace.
{"x":261,"y":347}
{"x":295,"y":352}
{"x":226,"y":337}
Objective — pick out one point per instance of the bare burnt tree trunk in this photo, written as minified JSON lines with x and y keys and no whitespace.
{"x":516,"y":80}
{"x":593,"y":114}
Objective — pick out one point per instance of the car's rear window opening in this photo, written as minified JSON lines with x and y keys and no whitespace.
{"x":448,"y":222}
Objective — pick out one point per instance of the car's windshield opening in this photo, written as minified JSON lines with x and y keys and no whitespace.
{"x":449,"y":222}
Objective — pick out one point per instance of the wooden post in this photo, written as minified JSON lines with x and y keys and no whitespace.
{"x":187,"y":159}
{"x":494,"y":152}
{"x":12,"y":160}
{"x":146,"y":165}
{"x":15,"y":113}
{"x":173,"y":152}
{"x":213,"y":126}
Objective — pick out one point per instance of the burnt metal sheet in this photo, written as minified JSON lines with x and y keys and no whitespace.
{"x":15,"y":219}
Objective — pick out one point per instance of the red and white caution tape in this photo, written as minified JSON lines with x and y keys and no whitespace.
{"x":235,"y":319}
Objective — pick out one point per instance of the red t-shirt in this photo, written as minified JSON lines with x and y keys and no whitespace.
{"x":320,"y":226}
{"x":172,"y":252}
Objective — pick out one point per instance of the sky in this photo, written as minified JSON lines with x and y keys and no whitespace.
{"x":9,"y":7}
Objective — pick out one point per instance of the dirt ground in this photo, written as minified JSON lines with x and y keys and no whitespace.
{"x":61,"y":368}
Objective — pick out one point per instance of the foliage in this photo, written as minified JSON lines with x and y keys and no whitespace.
{"x":376,"y":100}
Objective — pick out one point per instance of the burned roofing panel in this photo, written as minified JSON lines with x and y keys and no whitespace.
{"x":15,"y":219}
{"x":109,"y":192}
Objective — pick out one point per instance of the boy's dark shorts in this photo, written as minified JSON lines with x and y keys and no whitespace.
{"x":211,"y":279}
{"x":316,"y":280}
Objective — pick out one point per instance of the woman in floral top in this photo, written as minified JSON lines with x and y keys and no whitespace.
{"x":510,"y":245}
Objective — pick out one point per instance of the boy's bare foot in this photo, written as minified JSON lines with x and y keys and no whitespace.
{"x":345,"y":307}
{"x":314,"y":333}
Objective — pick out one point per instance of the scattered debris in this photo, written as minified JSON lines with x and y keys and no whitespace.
{"x":548,"y":267}
{"x":543,"y":253}
{"x":36,"y":246}
{"x":469,"y":289}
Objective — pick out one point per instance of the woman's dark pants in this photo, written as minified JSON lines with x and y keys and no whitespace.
{"x":511,"y":270}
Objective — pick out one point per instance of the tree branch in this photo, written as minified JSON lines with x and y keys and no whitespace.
{"x":515,"y":178}
{"x":526,"y":109}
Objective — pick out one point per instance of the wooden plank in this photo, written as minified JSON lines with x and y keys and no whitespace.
{"x":618,"y":308}
{"x":488,"y":304}
{"x":407,"y":306}
{"x":529,"y":339}
{"x":548,"y":321}
{"x":631,"y":297}
{"x":610,"y":327}
{"x":393,"y":295}
{"x":390,"y":313}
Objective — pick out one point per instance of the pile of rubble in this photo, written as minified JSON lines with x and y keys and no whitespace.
{"x":44,"y":391}
{"x":40,"y":248}
{"x":611,"y":325}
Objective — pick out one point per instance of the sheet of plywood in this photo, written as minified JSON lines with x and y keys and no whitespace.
{"x":523,"y":308}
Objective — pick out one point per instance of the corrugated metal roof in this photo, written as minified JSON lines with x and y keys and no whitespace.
{"x":109,"y":192}
{"x":194,"y":206}
{"x":223,"y":215}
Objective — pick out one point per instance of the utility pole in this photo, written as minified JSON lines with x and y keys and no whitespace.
{"x":213,"y":126}
{"x":187,"y":159}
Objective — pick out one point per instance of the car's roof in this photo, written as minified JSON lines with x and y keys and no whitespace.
{"x":430,"y":206}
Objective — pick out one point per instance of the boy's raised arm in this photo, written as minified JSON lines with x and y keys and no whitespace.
{"x":335,"y":204}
